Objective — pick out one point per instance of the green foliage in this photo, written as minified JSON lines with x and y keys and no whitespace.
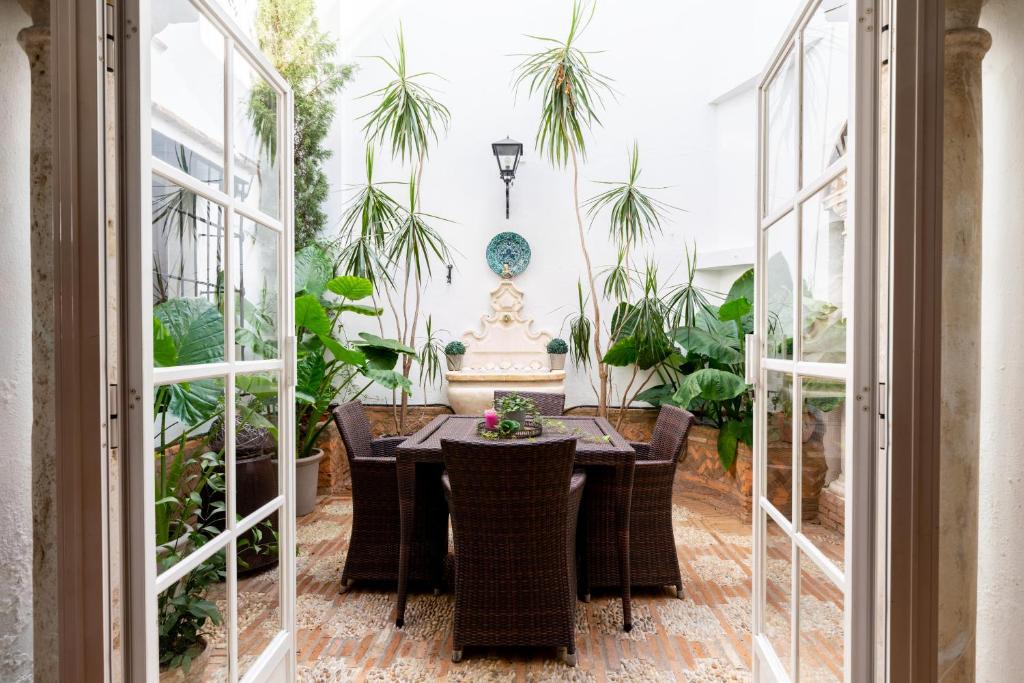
{"x":369,"y":219}
{"x":633,"y":215}
{"x":580,"y":332}
{"x":288,"y":34}
{"x":570,"y":90}
{"x":558,"y":347}
{"x":430,"y":358}
{"x":512,"y":404}
{"x":454,"y":348}
{"x":328,"y":363}
{"x":406,"y":115}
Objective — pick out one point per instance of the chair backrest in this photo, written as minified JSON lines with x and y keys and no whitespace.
{"x":354,"y":428}
{"x":549,"y":405}
{"x":670,"y":433}
{"x":509,"y":498}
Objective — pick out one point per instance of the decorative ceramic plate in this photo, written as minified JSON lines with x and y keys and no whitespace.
{"x":508,"y":248}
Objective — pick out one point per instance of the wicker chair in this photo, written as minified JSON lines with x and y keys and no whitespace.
{"x":549,"y":405}
{"x":375,"y":538}
{"x":514,"y":508}
{"x":653,"y":560}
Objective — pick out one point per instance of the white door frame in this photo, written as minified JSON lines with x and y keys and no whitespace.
{"x":277,"y":662}
{"x":859,"y":162}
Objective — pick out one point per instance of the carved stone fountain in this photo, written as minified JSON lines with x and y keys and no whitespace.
{"x":505,"y":354}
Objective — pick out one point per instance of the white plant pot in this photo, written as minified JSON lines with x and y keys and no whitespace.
{"x":307,"y":475}
{"x":454,"y":362}
{"x":557,"y":361}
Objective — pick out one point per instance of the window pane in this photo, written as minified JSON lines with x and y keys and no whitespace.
{"x":823,"y":460}
{"x":256,"y":285}
{"x":821,"y":624}
{"x":192,"y":625}
{"x":777,"y":613}
{"x":781,"y":161}
{"x":256,"y":430}
{"x":257,"y":171}
{"x":826,"y":87}
{"x":259,"y":591}
{"x":188,"y":452}
{"x":780,"y":274}
{"x":187,"y":84}
{"x":188,"y":234}
{"x":824,"y":276}
{"x":779,"y":435}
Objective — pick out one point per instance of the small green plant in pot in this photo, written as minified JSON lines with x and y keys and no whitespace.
{"x":454,"y":353}
{"x":516,"y":408}
{"x":557,"y":348}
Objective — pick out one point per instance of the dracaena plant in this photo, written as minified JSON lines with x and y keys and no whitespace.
{"x":392,"y":245}
{"x":570,"y":92}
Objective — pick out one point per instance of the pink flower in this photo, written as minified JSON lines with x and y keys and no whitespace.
{"x":491,"y":418}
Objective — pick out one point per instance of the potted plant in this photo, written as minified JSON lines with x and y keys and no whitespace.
{"x":557,"y":348}
{"x":516,"y":408}
{"x":329,"y":365}
{"x":453,"y":353}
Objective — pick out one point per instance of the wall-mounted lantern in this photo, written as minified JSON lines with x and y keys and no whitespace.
{"x":508,"y":153}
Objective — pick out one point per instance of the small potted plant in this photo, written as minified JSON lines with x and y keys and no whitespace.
{"x":516,"y":408}
{"x":453,"y":353}
{"x":557,"y":348}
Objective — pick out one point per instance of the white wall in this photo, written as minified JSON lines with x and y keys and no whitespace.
{"x":669,"y":61}
{"x":16,"y":352}
{"x":1001,"y":471}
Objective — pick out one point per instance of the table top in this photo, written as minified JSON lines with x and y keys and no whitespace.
{"x":597,"y":444}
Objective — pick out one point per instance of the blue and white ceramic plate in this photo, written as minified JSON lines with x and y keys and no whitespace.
{"x":508,"y":248}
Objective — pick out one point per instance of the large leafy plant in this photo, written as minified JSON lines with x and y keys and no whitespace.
{"x":329,"y":364}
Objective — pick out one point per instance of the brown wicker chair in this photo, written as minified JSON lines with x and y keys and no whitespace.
{"x":549,"y":405}
{"x":375,"y":537}
{"x":653,"y":560}
{"x":514,"y":508}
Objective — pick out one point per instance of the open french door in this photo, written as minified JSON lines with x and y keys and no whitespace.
{"x":208,"y":183}
{"x":812,"y":347}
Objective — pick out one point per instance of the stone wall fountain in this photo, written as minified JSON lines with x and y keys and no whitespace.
{"x":505,"y":353}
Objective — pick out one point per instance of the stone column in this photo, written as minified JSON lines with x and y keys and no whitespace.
{"x":35,"y":40}
{"x":966,"y":45}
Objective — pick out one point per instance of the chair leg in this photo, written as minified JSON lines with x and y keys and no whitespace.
{"x":569,"y":656}
{"x":457,"y":655}
{"x":346,"y":586}
{"x":679,"y":591}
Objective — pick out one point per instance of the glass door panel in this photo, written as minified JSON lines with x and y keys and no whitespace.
{"x":215,"y":263}
{"x":807,"y":474}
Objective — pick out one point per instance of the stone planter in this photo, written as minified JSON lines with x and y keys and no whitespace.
{"x":306,"y":474}
{"x":454,"y":362}
{"x":556,"y":361}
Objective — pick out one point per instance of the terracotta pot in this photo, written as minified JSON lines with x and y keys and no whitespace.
{"x":307,"y":472}
{"x":557,"y":361}
{"x":454,"y":362}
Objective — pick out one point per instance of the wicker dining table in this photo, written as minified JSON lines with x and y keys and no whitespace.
{"x":598,"y":445}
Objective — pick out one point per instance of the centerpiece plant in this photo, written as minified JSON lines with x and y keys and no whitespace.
{"x":516,"y":408}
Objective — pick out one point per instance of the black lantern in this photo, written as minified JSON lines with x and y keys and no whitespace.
{"x":507,"y":152}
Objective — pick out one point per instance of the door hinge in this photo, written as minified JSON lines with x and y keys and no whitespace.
{"x":109,"y":31}
{"x":883,"y":409}
{"x":884,"y":34}
{"x":113,"y":408}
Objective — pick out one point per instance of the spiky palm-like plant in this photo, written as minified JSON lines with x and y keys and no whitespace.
{"x":399,"y":243}
{"x":571,"y":94}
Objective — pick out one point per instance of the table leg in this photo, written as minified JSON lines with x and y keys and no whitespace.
{"x":624,"y":496}
{"x":406,"y":506}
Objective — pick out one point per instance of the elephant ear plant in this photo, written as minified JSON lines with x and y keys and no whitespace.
{"x":330,"y":365}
